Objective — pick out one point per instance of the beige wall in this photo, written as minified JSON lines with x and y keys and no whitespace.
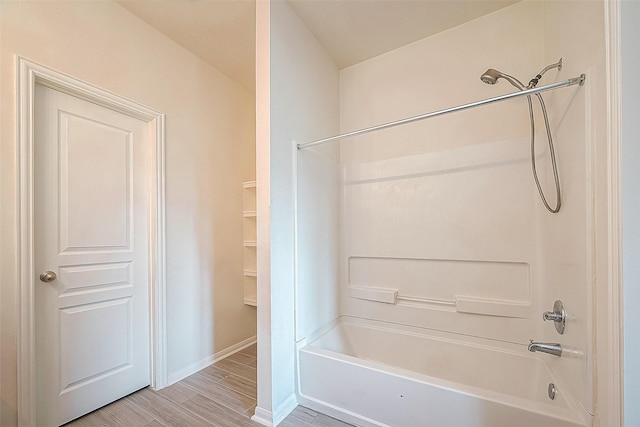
{"x":209,"y":124}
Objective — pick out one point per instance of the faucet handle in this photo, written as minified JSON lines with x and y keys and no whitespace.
{"x":558,"y":315}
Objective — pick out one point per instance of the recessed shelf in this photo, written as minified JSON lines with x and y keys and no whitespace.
{"x":250,"y":243}
{"x":249,"y":214}
{"x":249,"y":272}
{"x":249,"y":184}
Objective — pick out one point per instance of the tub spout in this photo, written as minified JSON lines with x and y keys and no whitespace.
{"x":555,"y":349}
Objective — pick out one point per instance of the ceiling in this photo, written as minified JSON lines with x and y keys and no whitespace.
{"x":222,"y":32}
{"x":353,"y":31}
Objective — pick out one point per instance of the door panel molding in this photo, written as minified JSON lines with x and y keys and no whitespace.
{"x":28,"y":75}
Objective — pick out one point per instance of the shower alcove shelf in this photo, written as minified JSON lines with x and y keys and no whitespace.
{"x":249,"y":242}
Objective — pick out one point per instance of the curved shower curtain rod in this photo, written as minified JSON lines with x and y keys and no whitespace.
{"x":565,"y":83}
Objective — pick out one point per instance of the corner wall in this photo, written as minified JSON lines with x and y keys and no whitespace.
{"x":206,"y":113}
{"x":303,"y":105}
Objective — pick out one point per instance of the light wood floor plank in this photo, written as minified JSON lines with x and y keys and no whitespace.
{"x":227,"y":397}
{"x":323,"y":420}
{"x":238,"y":369}
{"x":128,"y":413}
{"x":177,"y":392}
{"x":97,"y":418}
{"x":242,"y":358}
{"x":214,"y":373}
{"x":165,"y":411}
{"x":252,"y":350}
{"x":304,"y":414}
{"x":294,"y":422}
{"x":218,"y":414}
{"x":241,"y":385}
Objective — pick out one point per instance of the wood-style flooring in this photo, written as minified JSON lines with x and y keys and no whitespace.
{"x":223,"y":394}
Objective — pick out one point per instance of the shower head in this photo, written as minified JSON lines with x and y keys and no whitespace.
{"x":491,"y":77}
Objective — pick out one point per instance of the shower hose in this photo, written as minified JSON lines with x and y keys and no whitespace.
{"x":552,"y":154}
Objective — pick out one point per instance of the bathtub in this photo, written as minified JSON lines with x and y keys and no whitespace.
{"x":371,"y":373}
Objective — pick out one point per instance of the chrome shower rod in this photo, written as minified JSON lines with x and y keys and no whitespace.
{"x":565,"y":83}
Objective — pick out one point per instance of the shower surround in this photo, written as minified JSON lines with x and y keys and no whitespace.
{"x":439,"y":296}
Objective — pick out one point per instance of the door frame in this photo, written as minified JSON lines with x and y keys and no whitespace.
{"x":29,"y":73}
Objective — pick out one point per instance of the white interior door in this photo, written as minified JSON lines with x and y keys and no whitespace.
{"x":91,"y":228}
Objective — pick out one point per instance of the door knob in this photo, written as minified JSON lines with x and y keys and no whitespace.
{"x":48,"y":276}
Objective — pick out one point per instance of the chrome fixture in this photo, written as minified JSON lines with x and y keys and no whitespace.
{"x":558,"y":315}
{"x":48,"y":276}
{"x":551,"y":391}
{"x":526,"y":92}
{"x":555,"y":349}
{"x":534,"y":81}
{"x":491,"y":77}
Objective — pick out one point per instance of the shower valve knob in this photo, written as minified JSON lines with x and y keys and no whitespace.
{"x":558,"y":315}
{"x":552,"y":315}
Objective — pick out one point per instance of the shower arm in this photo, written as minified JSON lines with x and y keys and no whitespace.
{"x":565,"y":83}
{"x":534,"y":81}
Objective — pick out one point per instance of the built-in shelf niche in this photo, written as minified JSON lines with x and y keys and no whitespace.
{"x":249,"y":242}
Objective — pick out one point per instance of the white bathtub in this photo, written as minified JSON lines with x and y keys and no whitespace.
{"x":371,"y":373}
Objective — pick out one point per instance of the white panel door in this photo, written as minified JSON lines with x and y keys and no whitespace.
{"x":91,"y":228}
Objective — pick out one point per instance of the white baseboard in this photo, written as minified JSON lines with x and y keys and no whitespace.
{"x":263,"y":417}
{"x":285,"y":409}
{"x":183,"y":373}
{"x":269,"y":419}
